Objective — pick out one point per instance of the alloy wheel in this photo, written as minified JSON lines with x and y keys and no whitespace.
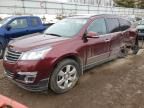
{"x":67,"y":77}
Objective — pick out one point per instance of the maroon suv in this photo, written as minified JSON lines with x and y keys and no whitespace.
{"x":58,"y":57}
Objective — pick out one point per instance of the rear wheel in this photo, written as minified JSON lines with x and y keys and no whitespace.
{"x":135,"y":48}
{"x":123,"y":52}
{"x":65,"y":76}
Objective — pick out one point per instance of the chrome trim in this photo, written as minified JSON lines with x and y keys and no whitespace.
{"x":112,"y":55}
{"x":12,"y":56}
{"x":88,"y":66}
{"x":97,"y":57}
{"x":9,"y":74}
{"x":13,"y":53}
{"x":28,"y":73}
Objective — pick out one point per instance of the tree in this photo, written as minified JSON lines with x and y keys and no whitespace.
{"x":141,"y":4}
{"x":130,"y":3}
{"x":125,"y":3}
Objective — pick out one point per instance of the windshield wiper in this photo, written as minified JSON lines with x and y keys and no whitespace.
{"x":53,"y":34}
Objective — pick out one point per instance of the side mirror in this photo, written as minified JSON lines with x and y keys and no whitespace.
{"x":8,"y":27}
{"x":92,"y":35}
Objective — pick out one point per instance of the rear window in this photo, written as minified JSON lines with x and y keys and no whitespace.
{"x":112,"y":25}
{"x":124,"y":24}
{"x":34,"y":21}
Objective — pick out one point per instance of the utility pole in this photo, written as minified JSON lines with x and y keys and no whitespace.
{"x":23,"y":6}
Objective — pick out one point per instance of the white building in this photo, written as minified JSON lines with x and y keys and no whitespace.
{"x":92,"y":2}
{"x":95,"y":2}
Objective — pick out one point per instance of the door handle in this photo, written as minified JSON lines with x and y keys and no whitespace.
{"x":107,"y":40}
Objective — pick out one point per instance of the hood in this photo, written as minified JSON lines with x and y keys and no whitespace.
{"x":140,"y":27}
{"x":33,"y":41}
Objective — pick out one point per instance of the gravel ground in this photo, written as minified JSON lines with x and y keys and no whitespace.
{"x":116,"y":84}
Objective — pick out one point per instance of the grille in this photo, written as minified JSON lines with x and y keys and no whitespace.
{"x":9,"y":74}
{"x":12,"y":56}
{"x":141,"y":30}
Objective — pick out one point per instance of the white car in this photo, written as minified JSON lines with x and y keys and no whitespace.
{"x":140,"y":28}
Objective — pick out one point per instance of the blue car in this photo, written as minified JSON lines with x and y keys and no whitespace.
{"x":17,"y":26}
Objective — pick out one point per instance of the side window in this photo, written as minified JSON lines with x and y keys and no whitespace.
{"x":124,"y":24}
{"x":112,"y":25}
{"x":34,"y":21}
{"x":98,"y":26}
{"x":19,"y":23}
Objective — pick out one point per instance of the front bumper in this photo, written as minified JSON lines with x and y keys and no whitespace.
{"x":42,"y":85}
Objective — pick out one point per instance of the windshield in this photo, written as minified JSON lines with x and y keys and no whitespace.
{"x":141,"y":22}
{"x":4,"y":21}
{"x":66,"y":27}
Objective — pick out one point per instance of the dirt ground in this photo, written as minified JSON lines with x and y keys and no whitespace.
{"x":116,"y":84}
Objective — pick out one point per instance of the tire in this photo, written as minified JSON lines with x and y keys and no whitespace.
{"x":135,"y":49}
{"x":1,"y":51}
{"x":65,"y":76}
{"x":123,"y":52}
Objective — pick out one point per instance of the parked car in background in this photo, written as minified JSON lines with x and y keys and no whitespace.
{"x":140,"y":28}
{"x":48,"y":24}
{"x":58,"y":57}
{"x":9,"y":103}
{"x":16,"y":26}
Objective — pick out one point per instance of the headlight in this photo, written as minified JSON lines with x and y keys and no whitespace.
{"x":35,"y":54}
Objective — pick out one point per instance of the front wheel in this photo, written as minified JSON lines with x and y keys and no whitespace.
{"x":65,"y":76}
{"x":1,"y":51}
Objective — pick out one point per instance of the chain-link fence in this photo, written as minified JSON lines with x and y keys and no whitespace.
{"x":47,"y":7}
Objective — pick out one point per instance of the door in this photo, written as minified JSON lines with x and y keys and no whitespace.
{"x":116,"y":36}
{"x":98,"y":49}
{"x":129,"y":33}
{"x":17,"y":27}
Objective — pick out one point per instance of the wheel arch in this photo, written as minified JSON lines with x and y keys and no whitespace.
{"x":70,"y":56}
